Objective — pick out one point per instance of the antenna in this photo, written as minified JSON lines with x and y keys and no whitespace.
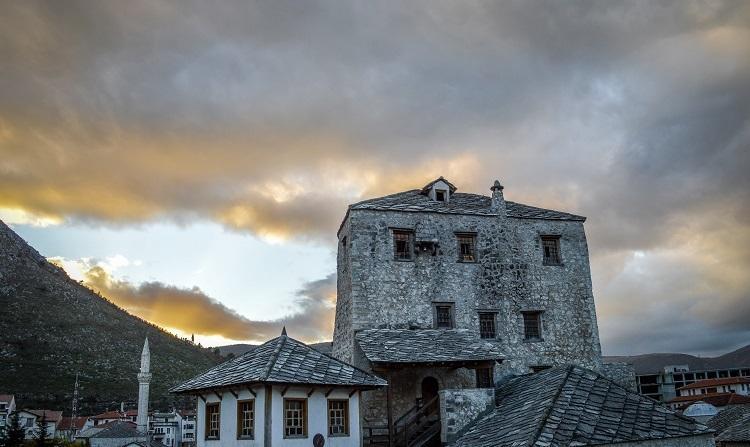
{"x":74,"y":413}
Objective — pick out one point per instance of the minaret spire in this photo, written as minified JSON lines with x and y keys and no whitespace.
{"x":144,"y":380}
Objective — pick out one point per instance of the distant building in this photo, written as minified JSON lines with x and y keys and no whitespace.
{"x":663,"y":385}
{"x":281,"y":393}
{"x":112,"y":434}
{"x":70,"y":427}
{"x":29,"y":420}
{"x":188,"y":428}
{"x":166,"y":428}
{"x":115,"y":416}
{"x":717,"y":392}
{"x":7,"y":406}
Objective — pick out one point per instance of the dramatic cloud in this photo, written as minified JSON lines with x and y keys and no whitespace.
{"x":270,"y":117}
{"x":191,"y":311}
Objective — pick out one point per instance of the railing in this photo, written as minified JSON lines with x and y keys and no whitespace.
{"x":412,"y":426}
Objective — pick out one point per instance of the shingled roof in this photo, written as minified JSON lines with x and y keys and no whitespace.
{"x":732,"y":424}
{"x":460,"y":203}
{"x":281,"y":360}
{"x":570,"y":405}
{"x":425,"y":346}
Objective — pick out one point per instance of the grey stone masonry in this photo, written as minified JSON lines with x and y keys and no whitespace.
{"x":459,"y":408}
{"x":507,"y":277}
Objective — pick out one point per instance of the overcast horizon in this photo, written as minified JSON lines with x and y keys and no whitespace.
{"x":192,"y":161}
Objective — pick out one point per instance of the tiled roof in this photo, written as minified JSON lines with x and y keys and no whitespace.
{"x":460,"y":203}
{"x":728,"y":417}
{"x":281,"y":360}
{"x":573,"y":406}
{"x":425,"y":346}
{"x":739,"y":432}
{"x":6,"y":397}
{"x":49,"y":415}
{"x":715,"y":399}
{"x":116,"y":429}
{"x":706,"y":383}
{"x":78,"y":423}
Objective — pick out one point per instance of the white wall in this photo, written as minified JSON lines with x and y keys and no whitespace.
{"x":228,"y":420}
{"x":317,"y":418}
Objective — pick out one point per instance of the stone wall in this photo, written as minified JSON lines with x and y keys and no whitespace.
{"x":377,"y":291}
{"x":621,"y":373}
{"x":460,"y":407}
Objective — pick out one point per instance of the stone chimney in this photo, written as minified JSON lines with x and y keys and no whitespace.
{"x":498,"y":201}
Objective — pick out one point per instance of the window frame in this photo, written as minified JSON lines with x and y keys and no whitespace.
{"x":303,"y":418}
{"x":480,"y":379}
{"x":548,"y":260}
{"x":494,"y":324}
{"x":444,"y":192}
{"x":539,"y":326}
{"x":410,"y":244}
{"x":207,"y":434}
{"x":466,"y":235}
{"x":241,"y":419}
{"x":345,"y":416}
{"x":451,"y":314}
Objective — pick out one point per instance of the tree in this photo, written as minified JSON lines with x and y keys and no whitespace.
{"x":42,"y":436}
{"x":13,"y":435}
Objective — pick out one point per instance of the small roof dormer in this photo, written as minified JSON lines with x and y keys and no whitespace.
{"x":439,"y":190}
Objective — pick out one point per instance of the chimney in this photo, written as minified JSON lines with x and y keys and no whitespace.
{"x":498,"y":201}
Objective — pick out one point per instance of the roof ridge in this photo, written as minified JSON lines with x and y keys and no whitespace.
{"x":273,"y":357}
{"x":335,"y":359}
{"x":548,"y":410}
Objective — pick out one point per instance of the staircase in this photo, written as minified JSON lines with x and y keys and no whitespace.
{"x":418,"y":427}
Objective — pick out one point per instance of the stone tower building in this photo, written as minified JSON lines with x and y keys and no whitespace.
{"x":144,"y":380}
{"x":441,"y":289}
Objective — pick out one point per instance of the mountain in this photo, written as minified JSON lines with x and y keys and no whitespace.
{"x":52,"y":327}
{"x":239,"y":349}
{"x":652,"y":363}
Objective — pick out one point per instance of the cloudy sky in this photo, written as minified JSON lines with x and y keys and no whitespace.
{"x":192,"y":160}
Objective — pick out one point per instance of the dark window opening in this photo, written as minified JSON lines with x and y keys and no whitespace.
{"x":444,"y":316}
{"x":403,"y":243}
{"x":487,"y":325}
{"x":551,"y":248}
{"x":295,"y":418}
{"x":532,"y":325}
{"x":212,"y":421}
{"x":539,"y":368}
{"x":466,"y":247}
{"x":440,"y":195}
{"x":485,"y":378}
{"x":338,"y":417}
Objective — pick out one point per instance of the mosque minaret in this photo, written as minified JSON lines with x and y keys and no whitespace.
{"x":144,"y":380}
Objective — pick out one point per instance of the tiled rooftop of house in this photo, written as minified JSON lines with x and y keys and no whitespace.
{"x":281,"y":360}
{"x":459,"y":203}
{"x":715,"y":399}
{"x":728,"y":417}
{"x":708,"y":383}
{"x":573,"y":406}
{"x":425,"y":346}
{"x":115,"y":429}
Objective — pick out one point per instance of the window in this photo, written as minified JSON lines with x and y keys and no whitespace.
{"x":539,"y":368}
{"x":484,"y":378}
{"x":532,"y":325}
{"x":551,"y":248}
{"x":487,"y":325}
{"x":440,"y":195}
{"x":403,"y":242}
{"x":466,"y":247}
{"x":212,"y":421}
{"x":444,"y":316}
{"x":246,"y":419}
{"x":295,"y":418}
{"x":338,"y":417}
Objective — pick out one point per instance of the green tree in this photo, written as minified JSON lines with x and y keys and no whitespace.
{"x":13,"y":435}
{"x":41,"y":437}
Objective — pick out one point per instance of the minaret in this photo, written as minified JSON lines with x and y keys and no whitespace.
{"x":144,"y":379}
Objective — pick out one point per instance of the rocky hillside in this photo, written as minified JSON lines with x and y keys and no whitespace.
{"x":52,"y":327}
{"x":651,"y":363}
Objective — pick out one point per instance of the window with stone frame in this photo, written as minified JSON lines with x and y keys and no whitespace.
{"x":444,"y":316}
{"x":467,"y":243}
{"x":403,"y":245}
{"x":213,"y":420}
{"x":532,"y":325}
{"x":487,"y":327}
{"x":551,"y":250}
{"x":441,"y":195}
{"x":295,"y":418}
{"x":246,"y":419}
{"x":485,"y":377}
{"x":338,"y":417}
